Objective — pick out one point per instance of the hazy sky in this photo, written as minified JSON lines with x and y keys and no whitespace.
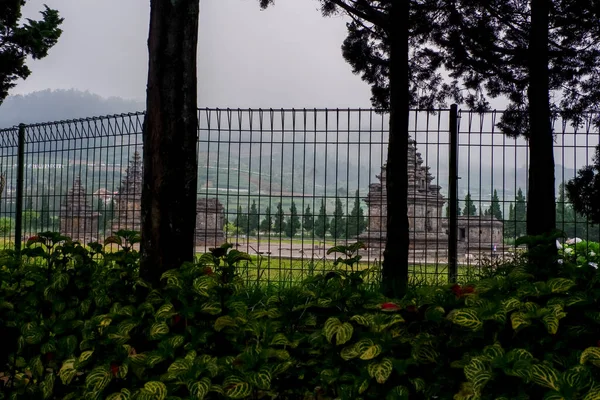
{"x":286,"y":56}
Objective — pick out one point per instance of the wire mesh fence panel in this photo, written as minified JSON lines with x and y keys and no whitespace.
{"x":9,"y":147}
{"x":286,"y":185}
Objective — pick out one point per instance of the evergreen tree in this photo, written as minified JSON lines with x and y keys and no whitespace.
{"x":28,"y":203}
{"x":279,"y":223}
{"x":495,"y":209}
{"x":470,"y":209}
{"x":20,"y":39}
{"x":584,"y":190}
{"x":458,"y":210}
{"x":45,"y":217}
{"x":520,"y":212}
{"x":241,"y":220}
{"x":542,"y":55}
{"x":267,"y":223}
{"x":322,"y":222}
{"x":509,"y":224}
{"x":386,"y":45}
{"x":337,"y":228}
{"x":292,"y":225}
{"x":253,"y":218}
{"x":308,"y":222}
{"x":356,"y":220}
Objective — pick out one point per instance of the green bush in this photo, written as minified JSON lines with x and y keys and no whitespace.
{"x":78,"y":323}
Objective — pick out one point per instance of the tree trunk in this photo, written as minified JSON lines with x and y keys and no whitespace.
{"x":170,"y":136}
{"x":541,"y":208}
{"x":395,"y":257}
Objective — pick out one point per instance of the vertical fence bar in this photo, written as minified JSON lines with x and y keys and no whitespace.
{"x":20,"y":187}
{"x":453,"y":196}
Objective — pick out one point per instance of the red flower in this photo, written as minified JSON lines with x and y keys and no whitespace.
{"x":114,"y":368}
{"x":49,"y":356}
{"x":208,"y":271}
{"x":460,"y":291}
{"x":390,"y":307}
{"x":176,"y":319}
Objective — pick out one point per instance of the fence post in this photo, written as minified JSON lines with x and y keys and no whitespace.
{"x":453,"y":196}
{"x":20,"y":187}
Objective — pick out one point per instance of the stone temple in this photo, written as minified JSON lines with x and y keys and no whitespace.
{"x":76,"y":218}
{"x":428,"y":227}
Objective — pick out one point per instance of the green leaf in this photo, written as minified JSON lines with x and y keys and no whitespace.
{"x":223,"y":322}
{"x":211,"y":308}
{"x":124,"y":394}
{"x":545,"y":375}
{"x":550,"y":321}
{"x":494,"y":351}
{"x":98,"y":379}
{"x":67,"y":371}
{"x":419,"y":384}
{"x":381,"y":371}
{"x":158,"y":330}
{"x":350,"y":352}
{"x":398,"y":393}
{"x":364,"y":320}
{"x":180,"y":366}
{"x":466,"y":318}
{"x":203,"y":284}
{"x":261,"y":379}
{"x":593,"y":394}
{"x":577,"y":377}
{"x":200,"y":388}
{"x":553,"y":395}
{"x":158,"y":390}
{"x":371,"y":352}
{"x":84,"y":357}
{"x":341,"y":331}
{"x":591,"y":355}
{"x":280,"y":340}
{"x":519,"y":320}
{"x":165,"y":311}
{"x":560,"y":285}
{"x":235,"y":388}
{"x":478,"y":373}
{"x":363,"y":386}
{"x":48,"y":386}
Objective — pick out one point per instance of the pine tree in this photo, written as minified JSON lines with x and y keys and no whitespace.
{"x":337,"y":228}
{"x":279,"y":223}
{"x":267,"y":223}
{"x":253,"y":218}
{"x":101,"y":216}
{"x":292,"y":225}
{"x":356,"y":220}
{"x":520,"y":214}
{"x":241,"y":220}
{"x":541,"y":55}
{"x":584,"y":190}
{"x":470,"y":209}
{"x":495,"y":209}
{"x":23,"y":38}
{"x":509,"y":224}
{"x":308,"y":222}
{"x":322,"y":222}
{"x":28,"y":203}
{"x":45,"y":218}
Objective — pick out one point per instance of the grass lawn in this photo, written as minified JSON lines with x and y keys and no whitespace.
{"x":274,"y":270}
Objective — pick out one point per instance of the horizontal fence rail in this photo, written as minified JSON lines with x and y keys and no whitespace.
{"x":285,"y":185}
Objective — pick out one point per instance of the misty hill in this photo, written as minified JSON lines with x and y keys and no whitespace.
{"x":54,"y":105}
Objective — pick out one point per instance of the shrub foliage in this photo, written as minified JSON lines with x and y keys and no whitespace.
{"x":77,"y":322}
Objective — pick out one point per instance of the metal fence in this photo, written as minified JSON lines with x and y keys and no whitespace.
{"x":287,"y":184}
